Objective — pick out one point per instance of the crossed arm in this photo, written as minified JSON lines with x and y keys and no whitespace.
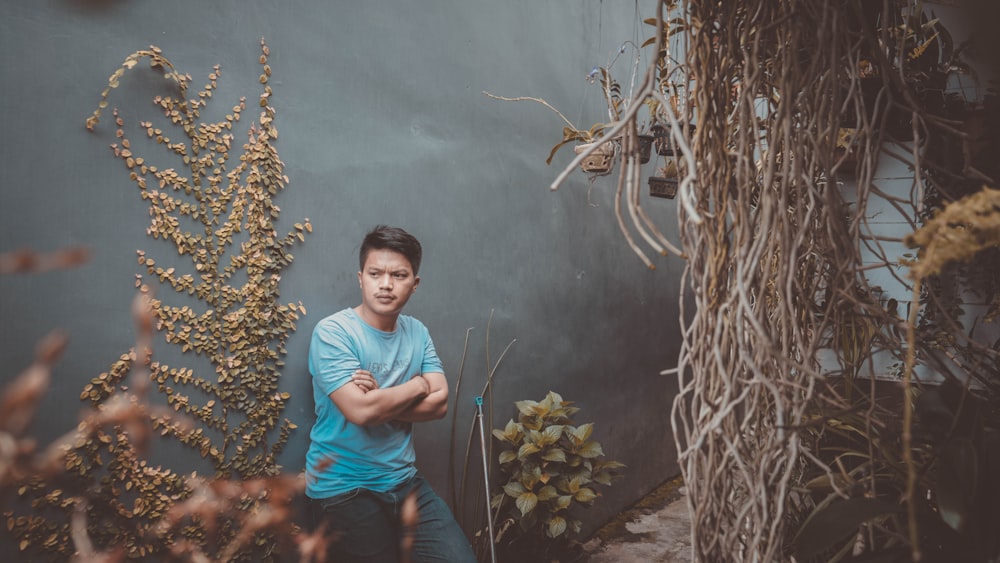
{"x":422,"y":398}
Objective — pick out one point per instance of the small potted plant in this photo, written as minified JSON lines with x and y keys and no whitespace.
{"x":665,"y":183}
{"x":645,"y":137}
{"x":618,"y":105}
{"x":601,"y":160}
{"x":645,"y":147}
{"x":663,"y":186}
{"x":661,"y":139}
{"x":550,"y":467}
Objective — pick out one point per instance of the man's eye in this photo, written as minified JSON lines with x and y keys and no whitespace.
{"x":400,"y":276}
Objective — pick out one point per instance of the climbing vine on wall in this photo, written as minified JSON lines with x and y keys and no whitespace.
{"x":218,"y":214}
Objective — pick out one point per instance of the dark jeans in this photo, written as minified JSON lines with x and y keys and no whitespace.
{"x":368,"y":527}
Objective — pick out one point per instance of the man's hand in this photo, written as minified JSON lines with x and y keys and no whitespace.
{"x":431,"y":407}
{"x":364,"y":380}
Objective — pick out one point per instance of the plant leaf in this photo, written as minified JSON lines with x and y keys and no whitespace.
{"x":510,"y":434}
{"x":585,"y":495}
{"x":604,"y":477}
{"x":554,"y":454}
{"x":526,"y":407}
{"x":591,"y":449}
{"x":608,"y":465}
{"x":957,"y":482}
{"x":553,"y":398}
{"x":526,"y":450}
{"x":531,"y":475}
{"x":551,"y":435}
{"x":535,"y":437}
{"x":527,"y":502}
{"x":573,"y":485}
{"x":556,"y":527}
{"x":548,"y":492}
{"x":836,"y":522}
{"x":514,"y":489}
{"x":496,"y":500}
{"x":583,"y":432}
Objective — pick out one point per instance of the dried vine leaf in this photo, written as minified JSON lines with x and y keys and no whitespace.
{"x":240,"y":327}
{"x":957,"y":233}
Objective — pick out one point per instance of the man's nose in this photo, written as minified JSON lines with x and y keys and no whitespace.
{"x":385,"y":281}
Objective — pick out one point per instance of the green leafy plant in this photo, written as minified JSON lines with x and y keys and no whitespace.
{"x":551,"y":466}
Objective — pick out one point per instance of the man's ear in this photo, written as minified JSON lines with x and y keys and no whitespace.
{"x":416,"y":282}
{"x":359,"y":279}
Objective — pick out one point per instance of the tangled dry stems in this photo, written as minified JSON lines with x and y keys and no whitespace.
{"x":778,"y":245}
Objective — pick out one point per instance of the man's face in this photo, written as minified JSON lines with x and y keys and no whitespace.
{"x":387,"y":282}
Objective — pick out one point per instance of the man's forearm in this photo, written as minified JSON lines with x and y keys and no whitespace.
{"x":379,"y":405}
{"x":432,"y":407}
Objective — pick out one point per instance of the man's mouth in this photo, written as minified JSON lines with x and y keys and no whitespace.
{"x":384,"y":297}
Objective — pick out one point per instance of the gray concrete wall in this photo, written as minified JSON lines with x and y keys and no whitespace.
{"x":382,"y":120}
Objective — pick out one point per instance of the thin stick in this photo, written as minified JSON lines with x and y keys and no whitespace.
{"x":486,"y":476}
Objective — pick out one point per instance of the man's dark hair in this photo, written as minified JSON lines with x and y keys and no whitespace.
{"x":383,"y":237}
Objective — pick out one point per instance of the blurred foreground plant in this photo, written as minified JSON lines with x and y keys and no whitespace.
{"x":210,"y":519}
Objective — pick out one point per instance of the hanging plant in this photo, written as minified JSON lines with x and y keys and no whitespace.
{"x":644,"y":147}
{"x":601,"y":159}
{"x":660,"y":186}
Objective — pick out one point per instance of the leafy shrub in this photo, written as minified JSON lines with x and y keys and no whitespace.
{"x":549,"y":466}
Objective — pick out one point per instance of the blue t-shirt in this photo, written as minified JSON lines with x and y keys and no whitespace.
{"x":343,"y":456}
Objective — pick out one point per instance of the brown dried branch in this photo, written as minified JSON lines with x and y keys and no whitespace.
{"x":18,"y":406}
{"x":251,"y":508}
{"x":31,"y":262}
{"x":409,"y":517}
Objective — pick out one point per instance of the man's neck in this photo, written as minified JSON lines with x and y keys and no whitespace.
{"x":378,"y":322}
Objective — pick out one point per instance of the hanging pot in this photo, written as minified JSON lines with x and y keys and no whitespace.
{"x":598,"y":162}
{"x":663,"y":187}
{"x":645,"y":147}
{"x":661,"y":140}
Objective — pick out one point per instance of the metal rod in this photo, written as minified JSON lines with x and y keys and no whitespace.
{"x":486,"y":475}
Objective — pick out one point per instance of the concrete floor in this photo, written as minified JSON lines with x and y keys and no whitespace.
{"x":655,"y":530}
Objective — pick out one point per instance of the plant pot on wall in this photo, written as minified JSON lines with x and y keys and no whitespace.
{"x":598,"y":162}
{"x":645,"y":147}
{"x":662,"y":141}
{"x":663,"y":187}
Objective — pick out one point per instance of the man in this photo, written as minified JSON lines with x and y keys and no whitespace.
{"x":375,"y":372}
